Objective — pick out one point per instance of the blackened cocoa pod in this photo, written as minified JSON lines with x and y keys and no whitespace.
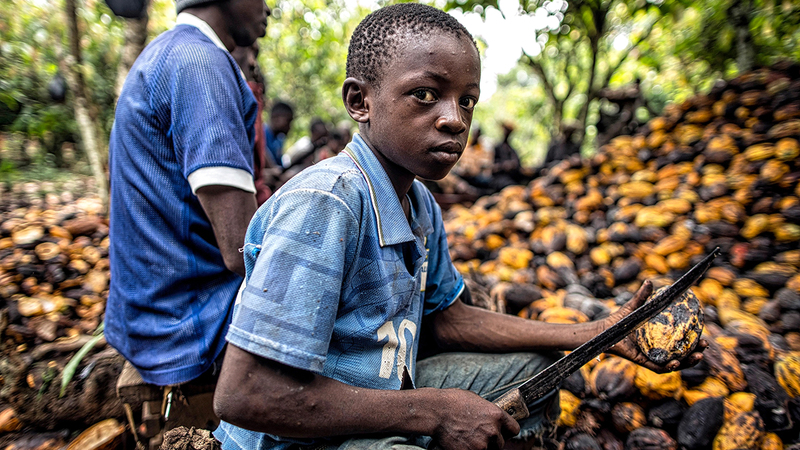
{"x":666,"y":414}
{"x":772,"y":401}
{"x":581,"y":441}
{"x":648,"y":438}
{"x":791,"y":321}
{"x":770,"y":280}
{"x":788,"y":299}
{"x":771,"y":311}
{"x":576,"y":384}
{"x":700,"y":424}
{"x":628,"y":270}
{"x":608,"y":441}
{"x":695,"y":375}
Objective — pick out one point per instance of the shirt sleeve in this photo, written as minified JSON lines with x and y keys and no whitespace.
{"x":287,"y":310}
{"x":444,"y":284}
{"x":211,"y":120}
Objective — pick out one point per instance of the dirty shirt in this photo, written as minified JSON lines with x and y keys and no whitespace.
{"x":185,"y":119}
{"x":338,"y":279}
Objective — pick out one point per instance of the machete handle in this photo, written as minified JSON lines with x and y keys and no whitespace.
{"x":513,"y":404}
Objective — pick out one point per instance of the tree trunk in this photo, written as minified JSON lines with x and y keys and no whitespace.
{"x":135,"y":39}
{"x":740,"y":14}
{"x":88,"y":127}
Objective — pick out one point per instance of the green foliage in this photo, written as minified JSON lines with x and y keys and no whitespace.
{"x":303,"y":57}
{"x":34,"y":43}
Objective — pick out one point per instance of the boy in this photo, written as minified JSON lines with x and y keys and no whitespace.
{"x":346,"y":258}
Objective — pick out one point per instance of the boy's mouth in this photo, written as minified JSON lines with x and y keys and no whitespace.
{"x":447,"y":153}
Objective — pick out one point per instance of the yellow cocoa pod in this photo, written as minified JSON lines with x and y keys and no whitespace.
{"x":754,"y":226}
{"x":674,"y":332}
{"x":773,"y":171}
{"x":569,"y":408}
{"x":711,"y":290}
{"x":600,"y":256}
{"x":563,"y":315}
{"x":651,"y":216}
{"x":692,"y":396}
{"x":656,"y":262}
{"x":714,"y":387}
{"x":730,"y":315}
{"x":675,"y":205}
{"x":787,"y":372}
{"x":737,"y":403}
{"x":637,"y":189}
{"x":668,"y":245}
{"x":518,"y":258}
{"x":723,"y":364}
{"x":493,"y":242}
{"x":627,"y":416}
{"x":759,"y":152}
{"x":794,"y":283}
{"x":745,"y":430}
{"x":771,"y":442}
{"x":787,"y":232}
{"x":658,"y":385}
{"x":678,"y":261}
{"x":753,"y":305}
{"x":558,"y":260}
{"x":787,"y":149}
{"x":746,"y":287}
{"x":724,"y":276}
{"x":728,"y":299}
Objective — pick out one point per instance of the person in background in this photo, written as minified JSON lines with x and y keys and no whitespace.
{"x":182,"y":194}
{"x":281,"y":117}
{"x":247,"y":58}
{"x":337,"y":141}
{"x":507,"y":169}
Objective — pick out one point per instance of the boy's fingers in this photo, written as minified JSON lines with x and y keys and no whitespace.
{"x":642,"y":294}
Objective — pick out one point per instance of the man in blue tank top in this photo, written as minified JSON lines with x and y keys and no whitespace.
{"x":182,"y":194}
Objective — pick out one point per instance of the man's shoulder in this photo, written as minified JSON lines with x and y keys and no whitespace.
{"x":184,"y":45}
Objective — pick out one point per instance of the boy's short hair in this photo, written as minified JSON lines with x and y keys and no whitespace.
{"x":375,"y":40}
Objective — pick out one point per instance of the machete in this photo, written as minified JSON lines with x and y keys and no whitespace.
{"x":515,"y":401}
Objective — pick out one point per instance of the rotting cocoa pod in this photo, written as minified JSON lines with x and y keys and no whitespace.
{"x":666,"y":414}
{"x":627,"y":416}
{"x":613,"y":378}
{"x":648,"y":438}
{"x":581,"y":441}
{"x":674,"y":332}
{"x":608,"y":441}
{"x":771,"y":399}
{"x":788,"y":299}
{"x":576,"y":384}
{"x":700,"y":424}
{"x":722,"y":363}
{"x":745,"y":430}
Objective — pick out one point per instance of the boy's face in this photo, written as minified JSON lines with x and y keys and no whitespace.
{"x":419,"y":116}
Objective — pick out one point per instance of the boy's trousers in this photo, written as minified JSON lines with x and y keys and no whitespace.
{"x":488,"y":375}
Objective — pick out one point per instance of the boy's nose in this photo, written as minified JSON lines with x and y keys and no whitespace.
{"x":450,"y":119}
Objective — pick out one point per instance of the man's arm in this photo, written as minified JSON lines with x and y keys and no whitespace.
{"x":229,"y":209}
{"x":262,"y":395}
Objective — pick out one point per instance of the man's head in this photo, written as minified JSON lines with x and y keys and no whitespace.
{"x":247,"y":58}
{"x":280,"y":118}
{"x":243,"y":20}
{"x":413,"y":81}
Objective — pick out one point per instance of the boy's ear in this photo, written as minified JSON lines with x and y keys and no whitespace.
{"x":355,"y":95}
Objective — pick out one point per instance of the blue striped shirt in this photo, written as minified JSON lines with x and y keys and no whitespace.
{"x":338,"y":279}
{"x":184,"y":108}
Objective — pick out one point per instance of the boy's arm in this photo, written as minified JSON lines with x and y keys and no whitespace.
{"x":469,"y":328}
{"x":262,"y":395}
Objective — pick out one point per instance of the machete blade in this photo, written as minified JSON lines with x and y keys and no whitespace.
{"x":548,"y":379}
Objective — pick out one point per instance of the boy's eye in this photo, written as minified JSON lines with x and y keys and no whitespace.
{"x":468,"y":102}
{"x":425,"y":95}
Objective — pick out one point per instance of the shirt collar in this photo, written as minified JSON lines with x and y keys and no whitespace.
{"x":186,"y":18}
{"x":393,"y":227}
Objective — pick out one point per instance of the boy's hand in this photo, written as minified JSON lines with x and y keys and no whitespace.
{"x":467,"y":422}
{"x":627,"y":347}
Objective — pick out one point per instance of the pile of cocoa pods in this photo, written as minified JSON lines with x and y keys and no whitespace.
{"x":718,"y":170}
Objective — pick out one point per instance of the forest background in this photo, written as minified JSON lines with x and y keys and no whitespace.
{"x":62,"y":63}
